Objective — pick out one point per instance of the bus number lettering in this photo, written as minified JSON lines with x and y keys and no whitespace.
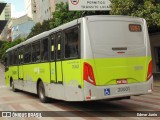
{"x":75,"y":66}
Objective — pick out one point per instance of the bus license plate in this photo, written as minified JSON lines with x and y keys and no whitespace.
{"x":122,"y":81}
{"x":123,"y":89}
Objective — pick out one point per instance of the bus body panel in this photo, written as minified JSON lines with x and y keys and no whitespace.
{"x":59,"y":72}
{"x":33,"y":72}
{"x":72,"y":72}
{"x":92,"y":92}
{"x":108,"y":71}
{"x":7,"y":76}
{"x":53,"y":72}
{"x":13,"y":73}
{"x":115,"y":52}
{"x":20,"y":69}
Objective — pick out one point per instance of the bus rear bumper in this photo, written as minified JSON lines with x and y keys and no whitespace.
{"x":92,"y":92}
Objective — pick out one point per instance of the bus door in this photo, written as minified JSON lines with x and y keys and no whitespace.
{"x":20,"y":67}
{"x":56,"y":53}
{"x":58,"y":46}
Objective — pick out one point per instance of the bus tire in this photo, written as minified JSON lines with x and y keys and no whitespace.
{"x":12,"y":86}
{"x":41,"y":92}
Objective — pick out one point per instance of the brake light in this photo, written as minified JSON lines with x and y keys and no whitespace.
{"x":88,"y":74}
{"x":149,"y":74}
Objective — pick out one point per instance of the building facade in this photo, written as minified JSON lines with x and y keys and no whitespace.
{"x":7,"y":11}
{"x":39,"y":10}
{"x":2,"y":17}
{"x":21,"y":27}
{"x":17,"y":28}
{"x":30,"y":8}
{"x":6,"y":14}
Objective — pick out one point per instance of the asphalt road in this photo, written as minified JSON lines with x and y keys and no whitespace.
{"x":128,"y":109}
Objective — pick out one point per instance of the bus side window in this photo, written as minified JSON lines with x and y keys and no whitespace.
{"x":8,"y":59}
{"x":44,"y":50}
{"x":6,"y":62}
{"x":11,"y":58}
{"x":72,"y":43}
{"x":36,"y":52}
{"x":52,"y":47}
{"x":15,"y":57}
{"x":27,"y":54}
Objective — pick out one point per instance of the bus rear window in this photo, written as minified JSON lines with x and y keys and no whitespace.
{"x":115,"y":33}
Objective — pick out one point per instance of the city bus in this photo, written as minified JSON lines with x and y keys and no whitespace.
{"x":91,"y":58}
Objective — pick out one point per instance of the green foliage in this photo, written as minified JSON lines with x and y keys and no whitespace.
{"x":4,"y":45}
{"x":148,"y":9}
{"x":39,"y":28}
{"x":62,"y":14}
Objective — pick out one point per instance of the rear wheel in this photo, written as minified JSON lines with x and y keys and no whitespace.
{"x":41,"y":92}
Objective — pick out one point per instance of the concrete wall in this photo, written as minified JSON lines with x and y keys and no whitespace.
{"x":28,"y":8}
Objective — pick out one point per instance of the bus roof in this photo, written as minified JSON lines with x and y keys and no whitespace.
{"x":72,"y":23}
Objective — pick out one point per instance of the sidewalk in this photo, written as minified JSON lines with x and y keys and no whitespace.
{"x":1,"y":66}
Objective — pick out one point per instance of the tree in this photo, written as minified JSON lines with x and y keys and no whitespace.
{"x":6,"y":45}
{"x":148,"y":9}
{"x":62,"y":15}
{"x":39,"y":28}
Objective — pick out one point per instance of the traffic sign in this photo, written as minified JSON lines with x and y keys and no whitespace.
{"x":88,"y":5}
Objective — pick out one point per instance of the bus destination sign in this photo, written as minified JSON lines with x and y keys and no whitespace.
{"x":88,"y":5}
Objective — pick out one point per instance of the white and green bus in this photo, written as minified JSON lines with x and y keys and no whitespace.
{"x":90,"y":58}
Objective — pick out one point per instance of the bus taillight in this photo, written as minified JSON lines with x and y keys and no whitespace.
{"x":149,"y":73}
{"x":88,"y":74}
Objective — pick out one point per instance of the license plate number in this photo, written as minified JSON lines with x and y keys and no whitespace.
{"x":122,"y":81}
{"x":123,"y":89}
